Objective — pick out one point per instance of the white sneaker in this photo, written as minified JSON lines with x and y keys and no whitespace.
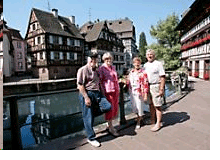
{"x":94,"y":143}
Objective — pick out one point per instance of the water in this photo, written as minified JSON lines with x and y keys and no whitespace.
{"x":43,"y":118}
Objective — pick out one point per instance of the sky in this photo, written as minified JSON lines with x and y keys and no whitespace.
{"x":143,"y":13}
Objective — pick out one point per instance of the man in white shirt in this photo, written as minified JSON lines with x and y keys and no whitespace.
{"x":156,"y":79}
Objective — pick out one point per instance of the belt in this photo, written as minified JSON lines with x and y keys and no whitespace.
{"x":153,"y":83}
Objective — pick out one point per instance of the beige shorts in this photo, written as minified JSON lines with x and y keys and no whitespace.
{"x":154,"y":95}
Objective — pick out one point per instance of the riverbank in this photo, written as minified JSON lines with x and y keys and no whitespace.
{"x":37,"y":85}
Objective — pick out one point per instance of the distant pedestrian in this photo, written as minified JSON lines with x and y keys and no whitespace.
{"x":138,"y":89}
{"x":91,"y":99}
{"x":156,"y":79}
{"x":110,"y":88}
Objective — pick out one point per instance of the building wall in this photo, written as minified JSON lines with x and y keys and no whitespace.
{"x":19,"y":55}
{"x":196,"y":48}
{"x":8,"y":66}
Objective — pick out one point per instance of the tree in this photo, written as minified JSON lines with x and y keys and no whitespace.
{"x":168,"y":45}
{"x":142,"y":46}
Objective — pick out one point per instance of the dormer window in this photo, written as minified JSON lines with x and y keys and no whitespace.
{"x":65,"y":28}
{"x":120,"y":22}
{"x":33,"y":27}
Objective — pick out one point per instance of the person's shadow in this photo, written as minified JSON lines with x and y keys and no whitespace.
{"x":171,"y":118}
{"x":129,"y":129}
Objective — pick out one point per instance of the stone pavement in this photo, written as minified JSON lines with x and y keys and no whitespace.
{"x":186,"y":127}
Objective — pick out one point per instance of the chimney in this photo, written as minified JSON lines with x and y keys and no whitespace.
{"x":72,"y":19}
{"x":55,"y":12}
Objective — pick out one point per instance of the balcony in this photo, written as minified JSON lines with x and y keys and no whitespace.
{"x":195,"y":43}
{"x":36,"y":48}
{"x":203,"y":49}
{"x":58,"y":47}
{"x":198,"y":27}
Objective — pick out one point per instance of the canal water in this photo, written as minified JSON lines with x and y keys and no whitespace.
{"x":43,"y":118}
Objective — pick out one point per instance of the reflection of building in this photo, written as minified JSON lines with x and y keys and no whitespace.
{"x":195,"y":38}
{"x":100,"y":39}
{"x":54,"y":44}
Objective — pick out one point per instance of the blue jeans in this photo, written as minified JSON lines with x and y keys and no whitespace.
{"x":99,"y":106}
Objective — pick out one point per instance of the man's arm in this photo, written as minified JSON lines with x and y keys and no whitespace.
{"x":162,"y":85}
{"x":84,"y":94}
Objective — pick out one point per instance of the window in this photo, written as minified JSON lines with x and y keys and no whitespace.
{"x":51,"y":39}
{"x":72,"y":42}
{"x":52,"y":55}
{"x":39,"y":40}
{"x":56,"y":55}
{"x":75,"y":56}
{"x":18,"y":44}
{"x":77,"y":42}
{"x":19,"y":55}
{"x":20,"y":65}
{"x":60,"y":40}
{"x":33,"y":27}
{"x":61,"y":56}
{"x":34,"y":43}
{"x":41,"y":55}
{"x":68,"y":56}
{"x":71,"y":56}
{"x":55,"y":39}
{"x":43,"y":70}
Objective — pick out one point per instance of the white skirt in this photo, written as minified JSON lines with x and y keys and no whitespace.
{"x":137,"y":104}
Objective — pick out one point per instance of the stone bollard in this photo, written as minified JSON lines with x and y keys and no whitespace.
{"x":121,"y":104}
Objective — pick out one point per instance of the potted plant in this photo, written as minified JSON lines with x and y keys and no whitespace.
{"x":206,"y":76}
{"x":196,"y":74}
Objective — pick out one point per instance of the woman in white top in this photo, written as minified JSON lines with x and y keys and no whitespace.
{"x":138,"y":89}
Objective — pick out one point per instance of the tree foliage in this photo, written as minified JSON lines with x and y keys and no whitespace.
{"x":142,"y":46}
{"x":168,"y":45}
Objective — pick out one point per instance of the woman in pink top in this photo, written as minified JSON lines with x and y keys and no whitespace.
{"x":110,"y":88}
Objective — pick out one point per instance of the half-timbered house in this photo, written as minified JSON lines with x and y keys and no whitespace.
{"x":54,"y":45}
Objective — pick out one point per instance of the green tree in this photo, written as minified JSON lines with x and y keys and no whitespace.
{"x":168,"y":45}
{"x":142,"y":46}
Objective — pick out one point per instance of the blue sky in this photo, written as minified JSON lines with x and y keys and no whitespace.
{"x":143,"y":13}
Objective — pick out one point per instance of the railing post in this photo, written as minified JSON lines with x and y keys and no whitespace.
{"x":15,"y":127}
{"x":121,"y":104}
